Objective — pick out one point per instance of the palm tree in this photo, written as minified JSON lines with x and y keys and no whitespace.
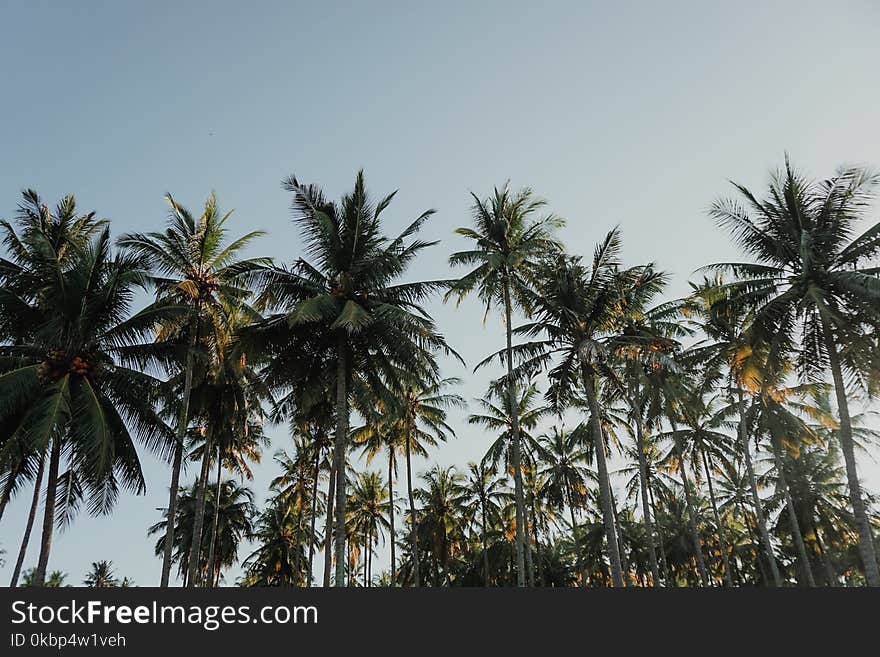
{"x":485,"y":493}
{"x":723,"y":317}
{"x":193,"y":268}
{"x":55,"y":579}
{"x":67,"y":389}
{"x":280,"y":557}
{"x":564,"y":458}
{"x":810,"y":279}
{"x":101,"y":576}
{"x":442,"y":521}
{"x":350,"y":298}
{"x":236,"y":510}
{"x":579,"y":310}
{"x":367,"y":515}
{"x":509,"y":239}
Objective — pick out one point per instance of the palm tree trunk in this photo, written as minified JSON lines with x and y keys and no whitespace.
{"x":199,"y":519}
{"x":692,"y":515}
{"x":49,"y":512}
{"x":314,"y":509}
{"x":756,"y":500}
{"x":215,"y":523}
{"x":604,"y":480}
{"x":182,"y":424}
{"x":328,"y":526}
{"x":391,"y":516}
{"x":624,"y":562}
{"x":32,"y":514}
{"x":483,"y":540}
{"x":722,"y":542}
{"x":339,"y":448}
{"x":538,"y":569}
{"x":366,"y":557}
{"x":413,"y":537}
{"x":863,"y":526}
{"x":515,"y":447}
{"x":577,"y":539}
{"x":530,"y":564}
{"x":643,"y":486}
{"x":793,"y":521}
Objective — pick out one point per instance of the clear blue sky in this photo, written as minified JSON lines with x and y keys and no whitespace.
{"x":635,"y":114}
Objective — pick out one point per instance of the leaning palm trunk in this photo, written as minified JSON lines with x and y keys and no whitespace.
{"x":604,"y":480}
{"x":413,"y":537}
{"x":793,"y":521}
{"x":519,"y":498}
{"x":328,"y":525}
{"x":722,"y":542}
{"x":215,"y":523}
{"x":866,"y":539}
{"x":760,"y":519}
{"x":32,"y":514}
{"x":339,"y":447}
{"x":692,"y":517}
{"x":199,"y":520}
{"x":49,"y":512}
{"x":643,"y":486}
{"x":182,"y":423}
{"x":391,"y":516}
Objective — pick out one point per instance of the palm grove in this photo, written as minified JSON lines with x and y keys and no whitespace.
{"x":631,"y":440}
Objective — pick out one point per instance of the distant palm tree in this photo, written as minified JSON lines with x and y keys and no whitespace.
{"x":101,"y":576}
{"x":368,"y":515}
{"x":509,"y":239}
{"x":814,"y":280}
{"x":485,"y":493}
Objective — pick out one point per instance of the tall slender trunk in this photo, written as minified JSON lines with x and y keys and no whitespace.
{"x":624,"y":562}
{"x":530,"y":564}
{"x":755,"y":541}
{"x":483,"y":540}
{"x":313,"y":503}
{"x":328,"y":525}
{"x":366,"y":557}
{"x":793,"y":522}
{"x":413,"y":537}
{"x":215,"y":524}
{"x":199,"y":520}
{"x":339,"y":455}
{"x":722,"y":541}
{"x":692,"y":514}
{"x":519,"y":498}
{"x":643,"y":486}
{"x":579,"y":557}
{"x":32,"y":514}
{"x":182,"y":423}
{"x":863,"y":526}
{"x":391,"y":516}
{"x":760,"y":519}
{"x":49,"y":512}
{"x":604,"y":480}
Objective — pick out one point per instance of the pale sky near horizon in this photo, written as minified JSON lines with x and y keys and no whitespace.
{"x":634,"y":114}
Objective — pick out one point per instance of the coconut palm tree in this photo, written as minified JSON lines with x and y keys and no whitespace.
{"x":195,"y":268}
{"x":577,"y":310}
{"x":67,"y":389}
{"x":812,"y":280}
{"x":101,"y":576}
{"x":442,"y":521}
{"x":368,"y":515}
{"x":485,"y":491}
{"x":349,"y":295}
{"x":236,"y":511}
{"x":509,"y":237}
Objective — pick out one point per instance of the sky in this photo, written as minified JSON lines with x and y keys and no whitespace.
{"x":637,"y":114}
